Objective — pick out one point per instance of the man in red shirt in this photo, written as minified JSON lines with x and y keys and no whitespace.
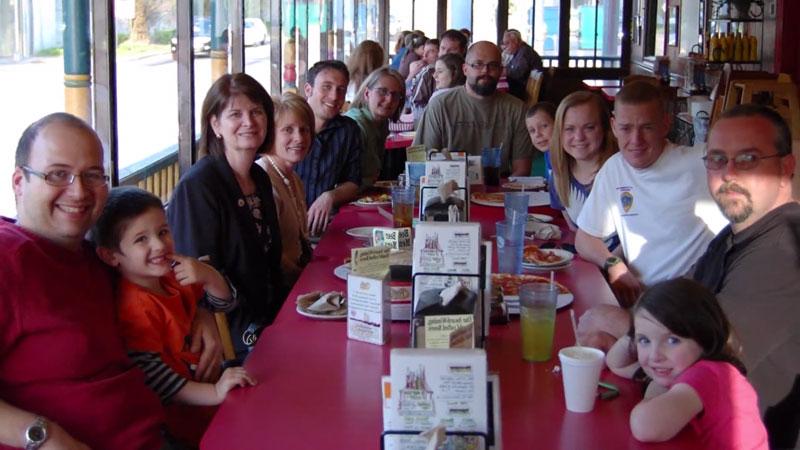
{"x":65,"y":379}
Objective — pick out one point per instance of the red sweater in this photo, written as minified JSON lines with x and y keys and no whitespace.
{"x":61,"y":355}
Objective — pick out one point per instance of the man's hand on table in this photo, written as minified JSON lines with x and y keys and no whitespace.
{"x":319,"y":213}
{"x":602,"y":325}
{"x":205,"y":338}
{"x":624,"y":284}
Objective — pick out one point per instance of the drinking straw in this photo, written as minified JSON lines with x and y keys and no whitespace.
{"x":574,"y":326}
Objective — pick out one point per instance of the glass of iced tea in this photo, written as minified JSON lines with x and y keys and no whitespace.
{"x":402,"y":206}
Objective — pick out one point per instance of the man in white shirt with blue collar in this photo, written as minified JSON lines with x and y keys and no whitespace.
{"x":652,"y":194}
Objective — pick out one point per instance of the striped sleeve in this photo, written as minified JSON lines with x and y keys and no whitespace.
{"x":158,"y":375}
{"x":216,"y":304}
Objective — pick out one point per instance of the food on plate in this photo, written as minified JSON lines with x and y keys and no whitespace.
{"x":489,"y":197}
{"x":534,"y":255}
{"x":510,"y":283}
{"x":518,"y":186}
{"x":375,"y":198}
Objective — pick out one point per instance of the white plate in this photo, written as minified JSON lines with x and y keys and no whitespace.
{"x":479,"y":201}
{"x":562,"y":301}
{"x":535,"y":198}
{"x":535,"y":268}
{"x":407,"y":134}
{"x":520,"y":186}
{"x":544,"y":218}
{"x":340,"y":315}
{"x":368,"y":204}
{"x":538,"y":198}
{"x":566,"y":258}
{"x":360,"y":233}
{"x":342,"y":271}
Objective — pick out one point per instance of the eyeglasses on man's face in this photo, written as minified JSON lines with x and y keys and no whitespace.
{"x":383,"y":92}
{"x":63,"y":177}
{"x":742,"y":161}
{"x":491,"y":67}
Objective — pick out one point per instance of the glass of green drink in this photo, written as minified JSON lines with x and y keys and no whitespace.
{"x":537,"y":319}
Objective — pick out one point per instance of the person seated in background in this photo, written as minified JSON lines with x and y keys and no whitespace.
{"x":331,"y":172}
{"x":158,"y":292}
{"x":294,"y":131}
{"x":367,"y":57}
{"x":539,"y":120}
{"x":429,"y":53}
{"x":651,"y":194}
{"x":65,"y":378}
{"x":476,"y":116}
{"x":399,"y":50}
{"x":520,"y":60}
{"x":466,"y":33}
{"x":379,"y":100}
{"x":451,"y":42}
{"x":448,"y":73}
{"x":582,"y":142}
{"x":418,"y":71}
{"x":223,"y":206}
{"x":415,"y":43}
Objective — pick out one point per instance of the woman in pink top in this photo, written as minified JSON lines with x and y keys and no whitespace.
{"x":681,"y":339}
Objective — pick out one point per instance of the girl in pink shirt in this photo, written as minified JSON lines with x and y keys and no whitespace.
{"x":681,"y":339}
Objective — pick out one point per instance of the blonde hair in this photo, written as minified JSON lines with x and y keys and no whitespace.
{"x":361,"y":101}
{"x":291,"y":103}
{"x":367,"y":57}
{"x":562,"y":161}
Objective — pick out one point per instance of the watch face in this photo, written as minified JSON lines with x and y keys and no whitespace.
{"x":36,"y":434}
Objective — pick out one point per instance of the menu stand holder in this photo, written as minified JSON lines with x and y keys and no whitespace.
{"x":486,"y":442}
{"x":423,"y":189}
{"x":491,"y":439}
{"x":480,"y":328}
{"x":465,"y":187}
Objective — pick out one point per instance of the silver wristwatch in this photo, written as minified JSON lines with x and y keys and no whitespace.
{"x":36,"y":434}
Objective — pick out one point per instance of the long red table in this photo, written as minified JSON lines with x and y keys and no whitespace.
{"x":319,"y":390}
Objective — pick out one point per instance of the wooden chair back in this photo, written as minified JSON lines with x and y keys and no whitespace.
{"x":728,"y":76}
{"x":780,"y":96}
{"x":225,"y":336}
{"x":534,"y":87}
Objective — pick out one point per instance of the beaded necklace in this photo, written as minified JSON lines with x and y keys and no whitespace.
{"x":297,"y":206}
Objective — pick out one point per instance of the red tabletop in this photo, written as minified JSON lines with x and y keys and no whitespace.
{"x":398,"y":141}
{"x":319,"y":390}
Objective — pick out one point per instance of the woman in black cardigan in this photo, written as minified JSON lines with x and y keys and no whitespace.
{"x":223,"y":206}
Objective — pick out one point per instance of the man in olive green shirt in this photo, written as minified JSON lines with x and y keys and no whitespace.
{"x":475,"y":116}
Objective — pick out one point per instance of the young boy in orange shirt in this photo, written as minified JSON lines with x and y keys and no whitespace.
{"x":157,"y":294}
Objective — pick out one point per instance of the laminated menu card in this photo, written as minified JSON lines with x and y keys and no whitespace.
{"x":371,"y":261}
{"x":453,"y":440}
{"x":443,"y":192}
{"x":474,"y":170}
{"x":446,"y":264}
{"x":432,"y":387}
{"x":394,"y":238}
{"x":369,"y":312}
{"x":416,"y":153}
{"x":437,"y":172}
